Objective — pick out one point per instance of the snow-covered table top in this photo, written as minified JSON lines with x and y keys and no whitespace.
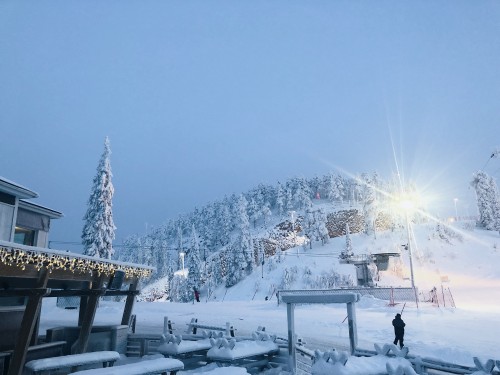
{"x":153,"y":366}
{"x":242,"y":349}
{"x":185,"y":346}
{"x":72,"y":360}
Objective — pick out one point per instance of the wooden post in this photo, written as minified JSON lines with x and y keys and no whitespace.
{"x":83,"y":308}
{"x":353,"y":335}
{"x":290,"y":313}
{"x":31,"y":313}
{"x":80,"y":346}
{"x":129,"y":304}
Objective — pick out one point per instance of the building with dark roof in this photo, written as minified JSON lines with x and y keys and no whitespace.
{"x":22,"y":221}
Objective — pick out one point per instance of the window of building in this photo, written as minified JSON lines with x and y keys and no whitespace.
{"x":24,"y":236}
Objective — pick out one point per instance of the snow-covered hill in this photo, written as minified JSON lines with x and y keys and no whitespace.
{"x":459,"y":259}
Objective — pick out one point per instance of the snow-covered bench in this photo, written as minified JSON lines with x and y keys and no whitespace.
{"x":174,"y":346}
{"x":193,"y":326}
{"x":389,"y":360}
{"x":148,"y":367}
{"x":421,"y":365}
{"x":245,"y":353}
{"x":106,"y":358}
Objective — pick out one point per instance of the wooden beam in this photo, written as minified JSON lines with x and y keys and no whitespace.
{"x":83,"y":308}
{"x":30,"y":317}
{"x":62,"y":293}
{"x":129,"y":304}
{"x":80,"y":346}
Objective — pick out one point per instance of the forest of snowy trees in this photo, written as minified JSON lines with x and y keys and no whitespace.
{"x":217,"y":239}
{"x":221,"y":242}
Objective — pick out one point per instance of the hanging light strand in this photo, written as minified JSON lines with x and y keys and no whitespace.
{"x":22,"y":258}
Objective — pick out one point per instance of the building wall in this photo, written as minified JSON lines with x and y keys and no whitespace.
{"x":6,"y":220}
{"x":42,"y":239}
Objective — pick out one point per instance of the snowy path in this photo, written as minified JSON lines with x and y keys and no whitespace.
{"x":454,"y":335}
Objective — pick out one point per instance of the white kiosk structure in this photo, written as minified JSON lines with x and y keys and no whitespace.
{"x":293,"y":297}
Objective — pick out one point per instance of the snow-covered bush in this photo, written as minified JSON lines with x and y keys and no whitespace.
{"x":307,"y":277}
{"x":271,"y":264}
{"x":446,"y":233}
{"x":289,"y":276}
{"x":332,"y":279}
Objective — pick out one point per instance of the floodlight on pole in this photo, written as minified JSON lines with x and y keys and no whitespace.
{"x":408,"y":205}
{"x":455,"y":200}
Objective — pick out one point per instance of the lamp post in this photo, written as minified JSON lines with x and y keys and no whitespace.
{"x":455,"y":200}
{"x":407,"y":205}
{"x":408,"y":233}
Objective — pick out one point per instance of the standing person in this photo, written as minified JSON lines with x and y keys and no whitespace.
{"x":399,"y":330}
{"x":197,"y":295}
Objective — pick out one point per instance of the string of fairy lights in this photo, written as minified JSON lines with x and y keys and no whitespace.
{"x":22,"y":258}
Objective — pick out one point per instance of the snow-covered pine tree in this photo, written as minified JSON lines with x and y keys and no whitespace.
{"x":180,"y":248}
{"x":266,"y":213}
{"x":347,"y":252}
{"x":280,"y":200}
{"x":302,"y":197}
{"x":486,"y":200}
{"x":99,"y":229}
{"x":309,"y":226}
{"x":289,"y":204}
{"x":321,"y":228}
{"x":334,"y":195}
{"x":131,"y":250}
{"x":242,"y":251}
{"x":495,"y":205}
{"x":225,"y":224}
{"x":340,"y":187}
{"x":369,"y":205}
{"x":193,"y":261}
{"x":254,"y":211}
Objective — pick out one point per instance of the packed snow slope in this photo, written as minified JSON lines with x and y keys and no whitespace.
{"x":461,"y":261}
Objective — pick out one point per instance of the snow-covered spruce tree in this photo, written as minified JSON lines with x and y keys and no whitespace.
{"x":254,"y":211}
{"x":266,"y":213}
{"x":289,"y":204}
{"x":99,"y":229}
{"x":303,"y":194}
{"x":334,"y":194}
{"x":369,"y":205}
{"x":309,"y":226}
{"x":280,"y":200}
{"x":347,"y":252}
{"x":321,"y":228}
{"x":193,"y":261}
{"x":225,"y":223}
{"x":487,"y":199}
{"x":131,"y":251}
{"x":242,"y":252}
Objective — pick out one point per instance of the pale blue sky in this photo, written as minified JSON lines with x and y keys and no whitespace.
{"x":206,"y":98}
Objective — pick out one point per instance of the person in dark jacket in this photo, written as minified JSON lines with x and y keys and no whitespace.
{"x":399,"y":330}
{"x":197,"y":295}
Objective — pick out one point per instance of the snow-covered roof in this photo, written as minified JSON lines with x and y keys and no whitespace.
{"x":13,"y":254}
{"x":40,"y":209}
{"x":15,"y":189}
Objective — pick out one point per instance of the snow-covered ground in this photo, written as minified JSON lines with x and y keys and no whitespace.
{"x":469,"y":263}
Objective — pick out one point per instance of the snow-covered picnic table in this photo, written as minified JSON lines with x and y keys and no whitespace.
{"x":106,"y":358}
{"x":183,"y":347}
{"x":148,"y":367}
{"x":245,"y":353}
